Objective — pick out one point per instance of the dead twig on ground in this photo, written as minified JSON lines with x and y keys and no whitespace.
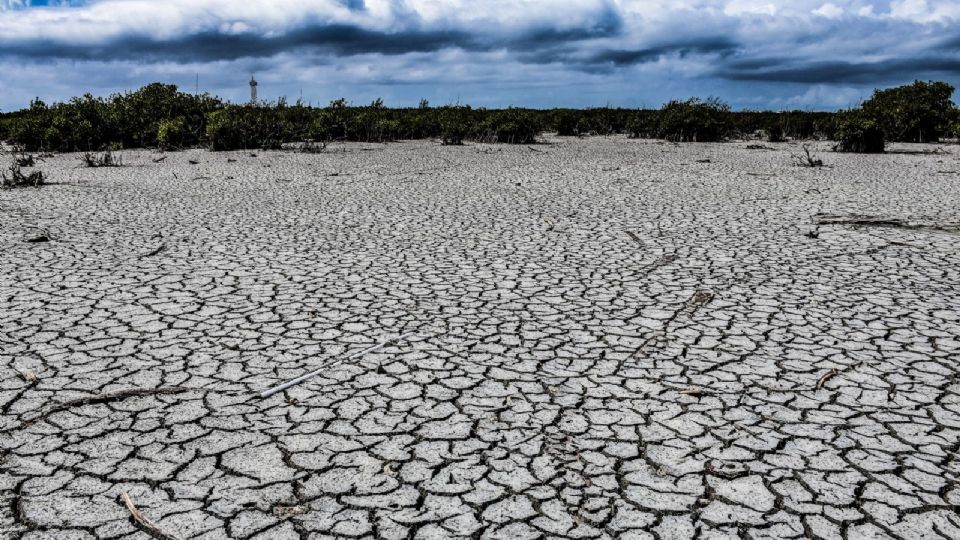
{"x":153,"y":252}
{"x":109,"y":397}
{"x":826,"y":377}
{"x":271,"y":391}
{"x":879,"y":221}
{"x":159,"y":159}
{"x":144,"y":523}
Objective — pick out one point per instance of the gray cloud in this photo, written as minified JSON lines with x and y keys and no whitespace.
{"x":340,"y":40}
{"x":773,"y":70}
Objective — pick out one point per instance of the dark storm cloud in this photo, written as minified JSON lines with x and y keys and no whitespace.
{"x":336,"y":39}
{"x":603,"y":60}
{"x":624,"y":57}
{"x":773,"y":70}
{"x":341,"y":40}
{"x":951,"y":44}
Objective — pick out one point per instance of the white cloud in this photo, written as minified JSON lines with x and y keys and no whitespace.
{"x":922,"y":11}
{"x":750,"y":7}
{"x":829,"y":10}
{"x":832,"y":96}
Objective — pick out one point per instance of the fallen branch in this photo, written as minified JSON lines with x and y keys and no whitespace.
{"x":826,"y":377}
{"x":876,"y":221}
{"x":154,"y":252}
{"x":144,"y":523}
{"x":159,"y":159}
{"x":271,"y":391}
{"x":634,"y":237}
{"x":109,"y":398}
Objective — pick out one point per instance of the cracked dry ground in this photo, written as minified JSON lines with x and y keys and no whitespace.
{"x":613,"y":340}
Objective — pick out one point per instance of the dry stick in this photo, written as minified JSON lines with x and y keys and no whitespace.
{"x":110,"y":397}
{"x":148,"y":526}
{"x":154,"y":252}
{"x":826,"y":377}
{"x":271,"y":391}
{"x":634,"y":237}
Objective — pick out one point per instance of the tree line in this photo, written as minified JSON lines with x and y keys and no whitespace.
{"x":159,"y":115}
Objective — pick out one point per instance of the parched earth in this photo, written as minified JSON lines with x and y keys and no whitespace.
{"x":611,"y":338}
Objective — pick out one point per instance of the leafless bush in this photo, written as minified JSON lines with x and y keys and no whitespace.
{"x":313,"y":147}
{"x":106,"y":159}
{"x":14,"y":177}
{"x":806,"y":159}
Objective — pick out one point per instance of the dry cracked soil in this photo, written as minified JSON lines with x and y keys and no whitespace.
{"x":611,"y":338}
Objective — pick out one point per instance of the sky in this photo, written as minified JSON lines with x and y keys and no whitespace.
{"x":754,"y":54}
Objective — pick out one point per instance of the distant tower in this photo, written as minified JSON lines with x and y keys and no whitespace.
{"x":253,"y":90}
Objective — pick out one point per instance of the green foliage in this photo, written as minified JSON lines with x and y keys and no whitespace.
{"x":695,"y":120}
{"x":859,"y":134}
{"x":456,"y":124}
{"x":160,"y":115}
{"x":245,"y":127}
{"x":171,"y":133}
{"x":566,"y":123}
{"x":130,"y":120}
{"x":513,"y":126}
{"x":140,"y":113}
{"x":775,"y":133}
{"x":642,"y":125}
{"x":918,"y":112}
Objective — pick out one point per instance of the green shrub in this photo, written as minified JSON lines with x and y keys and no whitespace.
{"x":513,"y":126}
{"x":371,"y":124}
{"x":695,"y":120}
{"x":139,"y":114}
{"x":859,"y":134}
{"x":775,"y":133}
{"x":171,"y":133}
{"x":918,"y":112}
{"x":642,"y":125}
{"x":455,"y":124}
{"x":566,"y":123}
{"x":246,"y":126}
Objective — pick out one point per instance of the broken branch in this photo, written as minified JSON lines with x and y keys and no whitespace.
{"x":144,"y":523}
{"x":271,"y":391}
{"x":826,"y":377}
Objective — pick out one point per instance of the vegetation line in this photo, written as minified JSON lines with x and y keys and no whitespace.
{"x":158,"y":115}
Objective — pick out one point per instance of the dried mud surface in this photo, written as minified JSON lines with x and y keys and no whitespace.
{"x":613,"y":339}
